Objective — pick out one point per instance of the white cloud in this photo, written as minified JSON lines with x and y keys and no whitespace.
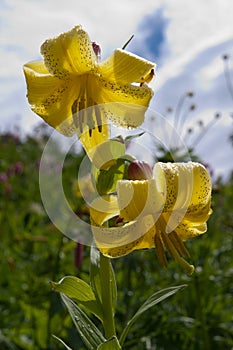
{"x":197,"y":23}
{"x":109,"y":22}
{"x":198,"y":32}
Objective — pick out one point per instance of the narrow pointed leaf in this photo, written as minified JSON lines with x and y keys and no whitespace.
{"x":95,"y":277}
{"x":63,"y":343}
{"x":106,"y":179}
{"x":111,"y":344}
{"x":80,"y":292}
{"x":149,"y":303}
{"x":129,"y":138}
{"x":94,"y":273}
{"x":89,"y":333}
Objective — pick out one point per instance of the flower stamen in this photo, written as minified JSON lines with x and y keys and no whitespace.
{"x":162,"y":259}
{"x":93,"y":116}
{"x":177,"y":242}
{"x":175,"y":254}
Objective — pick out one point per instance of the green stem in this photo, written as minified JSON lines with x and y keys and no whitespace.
{"x":201,"y":315}
{"x":106,"y":291}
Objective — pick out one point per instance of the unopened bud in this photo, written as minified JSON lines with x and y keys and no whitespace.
{"x":139,"y":170}
{"x":78,"y":255}
{"x":96,"y":49}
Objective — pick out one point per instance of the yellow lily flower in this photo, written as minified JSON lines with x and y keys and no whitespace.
{"x":156,"y":213}
{"x":69,"y":88}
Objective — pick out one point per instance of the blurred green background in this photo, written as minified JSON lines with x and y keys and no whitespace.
{"x":34,"y":252}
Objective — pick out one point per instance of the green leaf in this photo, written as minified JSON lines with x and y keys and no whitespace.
{"x":106,"y":179}
{"x":95,"y":277}
{"x":63,"y":343}
{"x":111,"y":344}
{"x":149,"y":303}
{"x":79,"y":291}
{"x":89,"y":333}
{"x":129,"y":138}
{"x":108,"y":165}
{"x":108,"y":151}
{"x":94,"y":273}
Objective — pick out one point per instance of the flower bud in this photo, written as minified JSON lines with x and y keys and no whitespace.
{"x":139,"y":170}
{"x":78,"y":254}
{"x":96,"y":49}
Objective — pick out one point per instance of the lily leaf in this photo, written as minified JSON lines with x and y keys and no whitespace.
{"x":106,"y":179}
{"x":63,"y":343}
{"x":89,"y":333}
{"x":111,"y":344}
{"x":149,"y":303}
{"x":80,"y":292}
{"x":107,"y":152}
{"x":94,"y":273}
{"x":95,"y":277}
{"x":108,"y":165}
{"x":131,"y":137}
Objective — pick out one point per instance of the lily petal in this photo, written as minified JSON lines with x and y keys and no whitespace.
{"x":185,"y":230}
{"x":103,"y":209}
{"x":117,"y":241}
{"x":128,"y":102}
{"x":202,"y":185}
{"x":90,"y":143}
{"x":37,"y":66}
{"x":188,"y":192}
{"x":126,"y":68}
{"x":139,"y":198}
{"x":50,"y":97}
{"x":175,"y":180}
{"x":69,"y":53}
{"x":198,"y":208}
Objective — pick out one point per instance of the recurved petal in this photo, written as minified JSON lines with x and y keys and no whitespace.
{"x":185,"y":184}
{"x":175,"y":181}
{"x":50,"y":97}
{"x":188,"y":192}
{"x":69,"y":53}
{"x":187,"y":230}
{"x":37,"y":67}
{"x":198,"y":214}
{"x":103,"y":209}
{"x":202,"y":186}
{"x":126,"y":67}
{"x":197,"y":207}
{"x":126,"y":104}
{"x":117,"y":241}
{"x":139,"y":198}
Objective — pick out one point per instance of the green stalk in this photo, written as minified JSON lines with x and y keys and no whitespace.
{"x":106,"y":291}
{"x":201,"y":315}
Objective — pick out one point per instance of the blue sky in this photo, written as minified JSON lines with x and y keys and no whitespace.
{"x":185,"y":39}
